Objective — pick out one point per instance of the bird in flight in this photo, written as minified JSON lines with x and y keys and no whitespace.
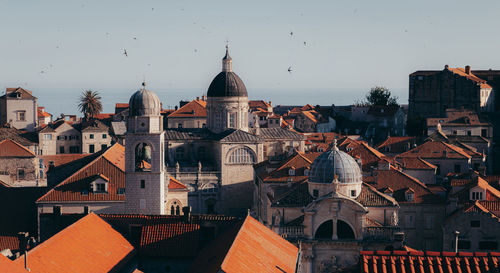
{"x":125,"y":53}
{"x":135,"y":38}
{"x":305,"y":43}
{"x":289,"y":69}
{"x":291,"y":33}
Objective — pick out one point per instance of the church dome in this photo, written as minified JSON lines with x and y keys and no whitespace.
{"x":335,"y":164}
{"x":227,"y":83}
{"x":144,"y":103}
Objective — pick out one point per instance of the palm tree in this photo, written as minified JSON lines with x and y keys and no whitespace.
{"x":90,"y":104}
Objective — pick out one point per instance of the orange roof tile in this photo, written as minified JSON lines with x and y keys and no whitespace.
{"x":194,"y":108}
{"x":89,"y":245}
{"x":436,"y":149}
{"x":415,"y":163}
{"x":258,"y":249}
{"x":121,"y":105}
{"x":258,"y":103}
{"x":42,"y":113}
{"x":492,"y":194}
{"x":175,"y":185}
{"x":104,"y":115}
{"x":9,"y":266}
{"x":10,"y":148}
{"x":460,"y":71}
{"x":394,"y":140}
{"x":173,"y":239}
{"x":60,"y":159}
{"x":299,"y":162}
{"x":428,"y":262}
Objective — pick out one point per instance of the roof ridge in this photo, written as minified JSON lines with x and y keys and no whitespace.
{"x":19,"y":145}
{"x":456,"y":149}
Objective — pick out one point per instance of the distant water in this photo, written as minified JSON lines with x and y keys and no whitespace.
{"x":65,"y":100}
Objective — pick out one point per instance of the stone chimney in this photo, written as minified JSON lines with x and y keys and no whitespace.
{"x":467,"y":69}
{"x":23,"y":246}
{"x":399,"y":238}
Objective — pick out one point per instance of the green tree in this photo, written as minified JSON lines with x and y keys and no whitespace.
{"x":90,"y":104}
{"x":380,"y":96}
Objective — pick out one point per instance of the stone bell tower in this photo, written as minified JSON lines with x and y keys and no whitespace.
{"x":144,"y":155}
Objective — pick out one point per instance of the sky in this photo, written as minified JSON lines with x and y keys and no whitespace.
{"x":178,"y":45}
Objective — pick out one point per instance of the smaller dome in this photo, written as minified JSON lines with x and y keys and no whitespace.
{"x":335,"y":163}
{"x":144,"y":103}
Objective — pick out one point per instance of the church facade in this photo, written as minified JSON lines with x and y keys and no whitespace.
{"x":215,"y":163}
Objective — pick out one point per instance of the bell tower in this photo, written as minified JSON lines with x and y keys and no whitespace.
{"x":145,"y":186}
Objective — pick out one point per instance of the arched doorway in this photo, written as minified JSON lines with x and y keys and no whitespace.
{"x":344,"y":231}
{"x":325,"y":230}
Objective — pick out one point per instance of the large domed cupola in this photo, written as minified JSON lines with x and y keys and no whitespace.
{"x":227,"y":100}
{"x":335,"y":171}
{"x":144,"y":103}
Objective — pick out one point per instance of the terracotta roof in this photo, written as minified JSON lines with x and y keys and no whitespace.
{"x":299,"y":161}
{"x":104,"y":115}
{"x":41,"y":112}
{"x":258,"y":103}
{"x":436,"y":149}
{"x":89,"y":245}
{"x":61,"y":159}
{"x":194,"y":108}
{"x":477,"y":206}
{"x":415,"y":163}
{"x":372,"y":223}
{"x":121,"y":105}
{"x":423,"y":262}
{"x":173,"y":239}
{"x":94,"y":125}
{"x":9,"y":242}
{"x":369,"y":156}
{"x":400,"y":182}
{"x":8,"y":132}
{"x":75,"y":188}
{"x":461,"y":71}
{"x":310,"y":115}
{"x":25,"y":93}
{"x":371,"y":197}
{"x":10,"y":148}
{"x":9,"y":266}
{"x":391,"y":140}
{"x":459,"y":117}
{"x":175,"y":185}
{"x":297,"y":196}
{"x":51,"y":127}
{"x":492,"y":194}
{"x":250,"y":248}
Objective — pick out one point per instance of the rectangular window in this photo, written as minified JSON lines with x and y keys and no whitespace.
{"x":353,"y":193}
{"x":61,"y":149}
{"x":458,"y":168}
{"x":409,"y":221}
{"x":21,"y":115}
{"x":91,"y":148}
{"x":121,"y":191}
{"x":104,"y":136}
{"x":232,"y":120}
{"x":74,"y":149}
{"x":91,"y":136}
{"x":20,"y":174}
{"x":484,"y":132}
{"x":488,"y":245}
{"x":475,"y":223}
{"x":179,"y":125}
{"x":104,"y":146}
{"x":469,"y":133}
{"x":315,"y":193}
{"x":143,"y":184}
{"x":463,"y":244}
{"x":101,"y":187}
{"x":47,"y":136}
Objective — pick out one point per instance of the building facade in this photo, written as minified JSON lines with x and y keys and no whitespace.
{"x":18,"y":107}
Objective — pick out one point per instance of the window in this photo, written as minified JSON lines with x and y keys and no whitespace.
{"x":121,"y":191}
{"x":488,"y":245}
{"x":20,"y":174}
{"x":100,"y":187}
{"x":91,"y":148}
{"x":143,"y":184}
{"x":463,"y":244}
{"x":104,"y":136}
{"x":179,"y":125}
{"x":104,"y":146}
{"x":454,"y":132}
{"x":91,"y":136}
{"x":409,"y":221}
{"x":232,"y":120}
{"x":241,"y":156}
{"x":484,"y":132}
{"x":21,"y":115}
{"x":353,"y":193}
{"x":475,"y":223}
{"x":47,"y":136}
{"x":315,"y":193}
{"x":291,"y":171}
{"x":74,"y":149}
{"x":177,"y":210}
{"x":179,"y":153}
{"x":410,"y":196}
{"x":458,"y":168}
{"x":477,"y":195}
{"x":61,"y":149}
{"x":59,"y":137}
{"x":469,"y":133}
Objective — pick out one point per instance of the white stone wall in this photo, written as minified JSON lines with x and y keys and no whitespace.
{"x":187,"y":122}
{"x":462,"y":130}
{"x":98,"y":140}
{"x":13,"y":106}
{"x":219,"y":108}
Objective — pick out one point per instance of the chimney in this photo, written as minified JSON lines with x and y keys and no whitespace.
{"x":467,"y":69}
{"x":399,"y":238}
{"x":23,"y":247}
{"x":186,"y":211}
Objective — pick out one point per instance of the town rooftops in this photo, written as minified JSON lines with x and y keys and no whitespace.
{"x":75,"y":187}
{"x":42,"y":113}
{"x":415,"y":163}
{"x":459,"y":117}
{"x":492,"y":194}
{"x":18,"y":93}
{"x":428,"y":261}
{"x":463,"y":72}
{"x":392,"y":140}
{"x":193,"y":109}
{"x":89,"y":245}
{"x":251,"y":247}
{"x":438,"y":149}
{"x":11,"y":133}
{"x":176,"y":185}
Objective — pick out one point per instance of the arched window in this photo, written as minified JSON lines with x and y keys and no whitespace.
{"x":179,"y":153}
{"x":344,"y":230}
{"x":325,"y":230}
{"x":172,"y":210}
{"x":241,"y":155}
{"x":177,"y":210}
{"x":143,"y":157}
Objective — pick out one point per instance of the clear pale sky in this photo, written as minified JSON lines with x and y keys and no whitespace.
{"x":179,"y":44}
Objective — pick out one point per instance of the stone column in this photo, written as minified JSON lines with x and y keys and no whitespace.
{"x":334,"y":227}
{"x":308,"y":224}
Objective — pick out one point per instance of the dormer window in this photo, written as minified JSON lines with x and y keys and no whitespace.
{"x":410,"y":195}
{"x":100,"y":184}
{"x":306,"y":172}
{"x":291,"y":171}
{"x":477,"y":195}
